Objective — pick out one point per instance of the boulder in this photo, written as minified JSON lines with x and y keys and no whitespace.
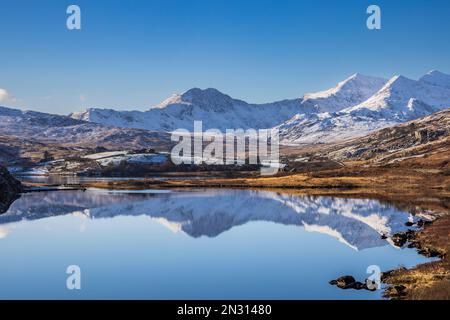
{"x":10,"y":189}
{"x":400,"y":239}
{"x":422,"y":223}
{"x":344,"y":282}
{"x":396,"y":292}
{"x":348,"y":282}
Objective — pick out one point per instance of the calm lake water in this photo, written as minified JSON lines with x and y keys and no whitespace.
{"x":225,"y":244}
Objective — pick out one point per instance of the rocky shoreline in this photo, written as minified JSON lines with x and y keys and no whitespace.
{"x":429,"y":281}
{"x":10,"y":189}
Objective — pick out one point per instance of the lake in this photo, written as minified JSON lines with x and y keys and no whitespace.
{"x":202,"y":244}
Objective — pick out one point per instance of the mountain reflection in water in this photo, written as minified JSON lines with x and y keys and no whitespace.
{"x":358,"y":223}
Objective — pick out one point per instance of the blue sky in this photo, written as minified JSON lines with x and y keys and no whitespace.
{"x":133,"y":54}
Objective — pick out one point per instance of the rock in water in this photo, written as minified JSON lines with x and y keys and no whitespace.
{"x":344,"y":282}
{"x":348,"y":282}
{"x":10,"y":189}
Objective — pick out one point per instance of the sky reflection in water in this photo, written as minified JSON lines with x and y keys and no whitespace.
{"x":230,"y":244}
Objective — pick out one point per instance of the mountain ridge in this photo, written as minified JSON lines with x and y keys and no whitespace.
{"x":400,"y":100}
{"x":221,"y":111}
{"x":355,"y":107}
{"x":50,"y":128}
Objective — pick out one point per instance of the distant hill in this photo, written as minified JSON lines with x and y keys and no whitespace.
{"x":56,"y":129}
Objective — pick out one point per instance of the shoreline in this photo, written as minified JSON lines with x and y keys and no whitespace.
{"x":428,"y":281}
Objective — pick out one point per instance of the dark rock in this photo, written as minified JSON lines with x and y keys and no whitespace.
{"x":348,"y":282}
{"x":422,"y":223}
{"x":409,"y":224}
{"x":358,"y":286}
{"x":396,"y":292}
{"x":343,"y":282}
{"x":430,"y":253}
{"x":400,"y":239}
{"x":399,"y":290}
{"x":10,"y":189}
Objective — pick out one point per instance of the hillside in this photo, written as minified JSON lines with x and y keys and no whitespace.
{"x":55,"y":129}
{"x":424,"y":142}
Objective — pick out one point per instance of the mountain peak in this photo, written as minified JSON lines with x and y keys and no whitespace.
{"x":399,"y":80}
{"x":436,"y":73}
{"x":355,"y":81}
{"x":436,"y":78}
{"x":199,"y":91}
{"x":349,"y":92}
{"x":175,"y":98}
{"x":202,"y":94}
{"x":404,"y":99}
{"x":209,"y":98}
{"x":358,"y":76}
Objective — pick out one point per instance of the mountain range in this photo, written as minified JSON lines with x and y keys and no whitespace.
{"x":220,"y":111}
{"x":357,"y":223}
{"x":355,"y":107}
{"x":215,"y":109}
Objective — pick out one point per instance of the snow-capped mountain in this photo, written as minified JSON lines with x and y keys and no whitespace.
{"x":218,"y":110}
{"x":437,"y":78}
{"x":215,"y":109}
{"x":399,"y":100}
{"x":327,"y":127}
{"x":347,"y":93}
{"x":355,"y":107}
{"x":405,"y":99}
{"x":49,"y":128}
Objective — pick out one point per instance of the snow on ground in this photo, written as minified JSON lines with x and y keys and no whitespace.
{"x":14,"y":169}
{"x":102,"y":155}
{"x":37,"y":171}
{"x":133,"y":158}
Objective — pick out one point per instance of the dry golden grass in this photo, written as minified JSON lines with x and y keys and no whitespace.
{"x":359,"y":180}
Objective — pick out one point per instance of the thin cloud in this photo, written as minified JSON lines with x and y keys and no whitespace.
{"x":4,"y":95}
{"x":7,"y":98}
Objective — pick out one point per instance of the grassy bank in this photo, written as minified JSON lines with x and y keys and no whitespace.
{"x":356,"y":179}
